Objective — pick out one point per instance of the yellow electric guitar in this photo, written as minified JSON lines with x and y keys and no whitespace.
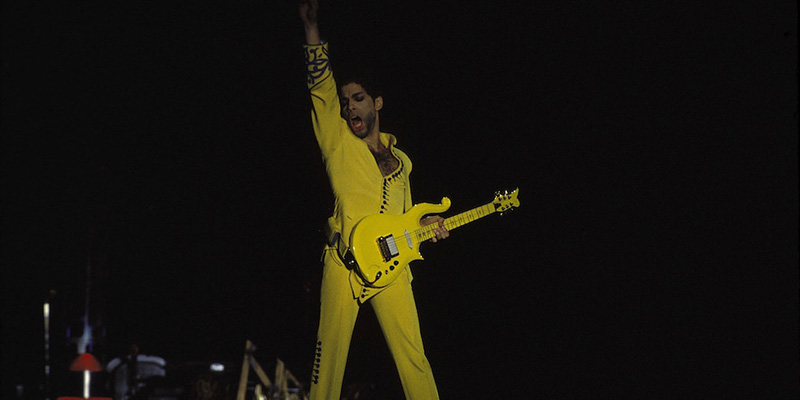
{"x":381,"y":245}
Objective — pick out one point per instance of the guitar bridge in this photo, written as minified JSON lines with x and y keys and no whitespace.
{"x":388,"y":247}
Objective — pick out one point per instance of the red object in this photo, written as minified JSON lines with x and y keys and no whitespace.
{"x":85,"y":362}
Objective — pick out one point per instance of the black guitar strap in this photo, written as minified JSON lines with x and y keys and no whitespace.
{"x":334,"y":240}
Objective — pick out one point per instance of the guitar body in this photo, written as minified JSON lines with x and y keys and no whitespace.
{"x":381,"y":245}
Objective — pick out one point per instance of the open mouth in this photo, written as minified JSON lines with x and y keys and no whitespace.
{"x":356,"y":123}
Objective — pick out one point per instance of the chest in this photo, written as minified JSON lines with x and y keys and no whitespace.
{"x":386,"y":161}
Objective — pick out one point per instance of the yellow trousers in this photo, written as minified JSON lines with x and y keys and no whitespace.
{"x":396,"y":312}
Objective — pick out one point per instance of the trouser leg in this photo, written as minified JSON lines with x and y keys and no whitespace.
{"x":338,"y":312}
{"x":397,"y":315}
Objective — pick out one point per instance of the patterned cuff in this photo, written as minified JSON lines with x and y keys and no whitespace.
{"x":317,"y":64}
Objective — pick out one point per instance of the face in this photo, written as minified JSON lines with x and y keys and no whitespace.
{"x":359,"y":109}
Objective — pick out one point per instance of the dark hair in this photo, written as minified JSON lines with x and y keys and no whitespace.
{"x":356,"y":73}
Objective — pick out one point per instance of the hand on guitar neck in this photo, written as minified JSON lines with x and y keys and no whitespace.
{"x":441,"y":231}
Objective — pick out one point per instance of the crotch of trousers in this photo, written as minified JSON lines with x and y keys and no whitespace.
{"x":396,"y":312}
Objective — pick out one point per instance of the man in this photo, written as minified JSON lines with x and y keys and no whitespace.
{"x":368,"y":175}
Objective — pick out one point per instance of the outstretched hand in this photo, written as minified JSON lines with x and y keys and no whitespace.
{"x":441,"y":232}
{"x":308,"y":11}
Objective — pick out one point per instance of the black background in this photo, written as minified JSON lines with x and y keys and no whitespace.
{"x":654,"y":255}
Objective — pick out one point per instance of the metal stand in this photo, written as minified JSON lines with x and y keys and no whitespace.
{"x":277,"y":391}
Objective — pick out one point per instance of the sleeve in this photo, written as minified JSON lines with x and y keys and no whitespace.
{"x":325,"y":113}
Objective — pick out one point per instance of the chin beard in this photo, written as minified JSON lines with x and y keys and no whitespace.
{"x":369,"y":125}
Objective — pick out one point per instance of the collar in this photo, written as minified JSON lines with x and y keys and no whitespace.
{"x":388,"y":140}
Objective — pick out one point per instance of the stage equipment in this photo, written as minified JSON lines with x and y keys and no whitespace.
{"x":46,"y":312}
{"x":134,"y":373}
{"x":279,"y":390}
{"x":88,"y":364}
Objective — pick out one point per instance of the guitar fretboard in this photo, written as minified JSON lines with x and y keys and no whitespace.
{"x":426,"y":232}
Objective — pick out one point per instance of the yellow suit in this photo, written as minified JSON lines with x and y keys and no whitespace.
{"x":360,"y":189}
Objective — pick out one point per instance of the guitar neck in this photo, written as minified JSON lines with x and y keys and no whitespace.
{"x":426,"y":232}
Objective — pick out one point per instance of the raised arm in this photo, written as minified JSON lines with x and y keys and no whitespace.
{"x":329,"y":126}
{"x":308,"y":14}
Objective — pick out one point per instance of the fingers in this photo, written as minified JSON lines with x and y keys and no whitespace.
{"x":440,"y":231}
{"x":308,"y":11}
{"x":441,"y":234}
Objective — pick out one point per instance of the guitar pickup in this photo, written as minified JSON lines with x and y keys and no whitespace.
{"x":388,"y":247}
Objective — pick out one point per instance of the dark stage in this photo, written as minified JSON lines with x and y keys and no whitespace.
{"x":167,"y":146}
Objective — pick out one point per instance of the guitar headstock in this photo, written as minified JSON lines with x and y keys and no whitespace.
{"x":505,"y":201}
